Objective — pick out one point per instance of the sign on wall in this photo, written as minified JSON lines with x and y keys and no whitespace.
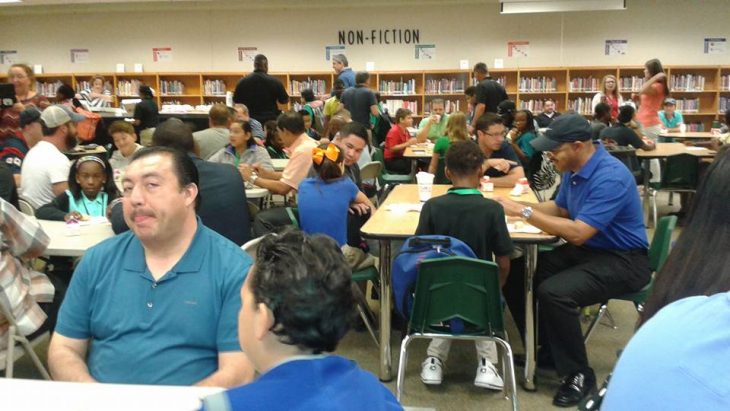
{"x":247,"y":54}
{"x":162,"y":54}
{"x":425,"y":51}
{"x":518,"y":48}
{"x":715,"y":45}
{"x":616,"y":48}
{"x":79,"y":55}
{"x":330,"y":51}
{"x":378,"y":36}
{"x":9,"y":57}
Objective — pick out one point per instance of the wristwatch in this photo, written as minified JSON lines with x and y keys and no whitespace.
{"x":526,"y":213}
{"x":253,"y":178}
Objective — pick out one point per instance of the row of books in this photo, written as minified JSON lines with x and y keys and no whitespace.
{"x":724,"y":104}
{"x":214,"y":88}
{"x":444,"y":85}
{"x":632,"y":83}
{"x":582,"y":105}
{"x":391,"y":106}
{"x":695,"y":127}
{"x":589,"y":83}
{"x":538,"y":84}
{"x":725,"y":82}
{"x":84,"y":84}
{"x":450,"y":106}
{"x":171,"y":87}
{"x":534,"y":105}
{"x":319,"y":87}
{"x":398,"y":87}
{"x":688,"y":105}
{"x":128,"y":87}
{"x":47,"y":89}
{"x":686,"y":82}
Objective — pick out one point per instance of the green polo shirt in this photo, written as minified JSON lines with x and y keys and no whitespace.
{"x":437,"y":130}
{"x":146,"y":331}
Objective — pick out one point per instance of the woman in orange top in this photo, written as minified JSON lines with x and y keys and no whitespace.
{"x":651,"y":96}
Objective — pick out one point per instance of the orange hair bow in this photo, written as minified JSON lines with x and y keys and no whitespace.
{"x":331,"y":152}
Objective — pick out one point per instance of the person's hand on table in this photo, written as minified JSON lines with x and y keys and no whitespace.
{"x":245,"y":171}
{"x":500,"y":164}
{"x":411,"y":141}
{"x":511,"y":208}
{"x":74,"y":215}
{"x":359,"y":209}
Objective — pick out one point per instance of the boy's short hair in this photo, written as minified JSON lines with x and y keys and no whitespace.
{"x":464,"y":158}
{"x":306,"y":282}
{"x":402,"y":113}
{"x":121,"y":126}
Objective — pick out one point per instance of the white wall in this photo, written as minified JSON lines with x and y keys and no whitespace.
{"x":205,"y":38}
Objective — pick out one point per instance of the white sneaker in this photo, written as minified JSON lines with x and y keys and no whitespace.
{"x":487,"y":376}
{"x":432,"y":371}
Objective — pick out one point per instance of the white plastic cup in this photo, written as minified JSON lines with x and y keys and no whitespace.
{"x":438,"y":118}
{"x":425,"y":185}
{"x":682,"y":128}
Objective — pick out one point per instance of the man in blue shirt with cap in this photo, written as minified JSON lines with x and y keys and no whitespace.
{"x":598,"y":212}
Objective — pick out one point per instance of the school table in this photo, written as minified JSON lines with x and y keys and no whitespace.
{"x":66,"y":242}
{"x":670,"y":137}
{"x":391,"y":222}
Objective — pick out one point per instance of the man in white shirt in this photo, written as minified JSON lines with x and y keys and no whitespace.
{"x":44,"y":174}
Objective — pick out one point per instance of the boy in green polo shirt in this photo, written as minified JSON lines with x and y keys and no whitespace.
{"x":484,"y":230}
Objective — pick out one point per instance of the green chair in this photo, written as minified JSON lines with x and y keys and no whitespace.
{"x":679,"y":174}
{"x":458,"y":298}
{"x":658,"y":253}
{"x":386,"y":178}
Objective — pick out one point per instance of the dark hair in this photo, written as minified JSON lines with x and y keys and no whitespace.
{"x":328,"y":169}
{"x":625,"y":114}
{"x":182,"y":165}
{"x":308,"y":95}
{"x":699,"y":263}
{"x":464,"y":158}
{"x":270,"y":127}
{"x":487,"y":120}
{"x":727,"y":116}
{"x":470,"y":91}
{"x":306,"y":283}
{"x":361,"y":77}
{"x":530,"y":122}
{"x":601,"y":111}
{"x":109,"y":187}
{"x":219,"y":114}
{"x":548,"y":99}
{"x":65,"y":91}
{"x":173,"y":133}
{"x":506,"y":110}
{"x":246,"y":127}
{"x":402,"y":113}
{"x":654,"y":66}
{"x":260,"y":62}
{"x":338,"y":88}
{"x":145,"y":92}
{"x":290,"y":121}
{"x":303,"y":113}
{"x":356,"y":129}
{"x":121,"y":126}
{"x":481,"y":68}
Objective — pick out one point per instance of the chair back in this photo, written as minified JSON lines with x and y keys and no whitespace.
{"x":371,"y":170}
{"x":659,"y":249}
{"x":457,"y":295}
{"x":440,"y":176}
{"x":681,"y":172}
{"x":25,"y":207}
{"x":627,"y":155}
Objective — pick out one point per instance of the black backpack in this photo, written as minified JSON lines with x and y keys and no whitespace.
{"x":385,"y":123}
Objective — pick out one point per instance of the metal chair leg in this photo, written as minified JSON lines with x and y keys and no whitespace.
{"x":509,"y":374}
{"x":402,"y":361}
{"x":369,"y":326}
{"x":363,"y":310}
{"x":595,"y":321}
{"x":9,"y":353}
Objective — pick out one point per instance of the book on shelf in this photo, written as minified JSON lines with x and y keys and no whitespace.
{"x":725,"y":82}
{"x":171,"y":88}
{"x":128,"y":87}
{"x":500,"y":79}
{"x":48,"y":89}
{"x":214,"y":88}
{"x":583,"y":105}
{"x":695,"y":127}
{"x":450,"y":106}
{"x":402,"y":87}
{"x":538,"y":84}
{"x":686,"y":82}
{"x":318,"y":87}
{"x":688,"y":105}
{"x":631,"y":83}
{"x":535,"y":105}
{"x":589,"y":83}
{"x":393,"y":105}
{"x":444,"y":86}
{"x":724,"y":104}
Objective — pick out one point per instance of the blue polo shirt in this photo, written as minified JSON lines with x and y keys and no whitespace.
{"x":144,"y":331}
{"x":603,"y":195}
{"x":324,"y":206}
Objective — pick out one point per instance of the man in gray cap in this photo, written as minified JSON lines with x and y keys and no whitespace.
{"x":598,"y":212}
{"x":44,"y":172}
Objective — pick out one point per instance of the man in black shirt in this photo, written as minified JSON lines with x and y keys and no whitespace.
{"x":501,"y":163}
{"x":263,"y":94}
{"x":548,"y":113}
{"x":622,"y":134}
{"x":489,"y":93}
{"x":360,"y":100}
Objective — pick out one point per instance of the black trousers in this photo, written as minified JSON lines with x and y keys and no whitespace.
{"x":567,"y":278}
{"x":398,"y":166}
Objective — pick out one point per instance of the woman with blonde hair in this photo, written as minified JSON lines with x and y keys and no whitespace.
{"x":609,"y":94}
{"x":455,"y":130}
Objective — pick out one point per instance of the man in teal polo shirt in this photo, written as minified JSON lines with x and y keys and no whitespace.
{"x":433,"y":126}
{"x":158,"y":303}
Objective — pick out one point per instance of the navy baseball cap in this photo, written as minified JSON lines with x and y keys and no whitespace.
{"x":29,"y":115}
{"x":566,"y":128}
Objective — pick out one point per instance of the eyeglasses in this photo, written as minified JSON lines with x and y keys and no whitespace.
{"x":496,"y":135}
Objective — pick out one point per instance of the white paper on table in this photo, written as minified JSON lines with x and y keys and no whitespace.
{"x":403,"y":208}
{"x":94,"y":221}
{"x":692,"y":148}
{"x":524,"y":228}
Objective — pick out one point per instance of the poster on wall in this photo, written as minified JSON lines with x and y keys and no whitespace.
{"x":616,"y":48}
{"x":247,"y":54}
{"x":162,"y":54}
{"x":715,"y":45}
{"x":9,"y":57}
{"x":518,"y":48}
{"x":330,"y":51}
{"x":425,"y":51}
{"x":79,"y":56}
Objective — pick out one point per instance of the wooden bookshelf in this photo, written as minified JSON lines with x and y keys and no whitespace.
{"x":417,"y":89}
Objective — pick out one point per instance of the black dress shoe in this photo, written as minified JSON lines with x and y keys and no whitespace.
{"x":574,"y":388}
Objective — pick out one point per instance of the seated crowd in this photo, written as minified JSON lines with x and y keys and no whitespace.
{"x":172,"y":298}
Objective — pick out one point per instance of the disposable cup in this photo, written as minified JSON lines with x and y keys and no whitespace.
{"x":425,"y":185}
